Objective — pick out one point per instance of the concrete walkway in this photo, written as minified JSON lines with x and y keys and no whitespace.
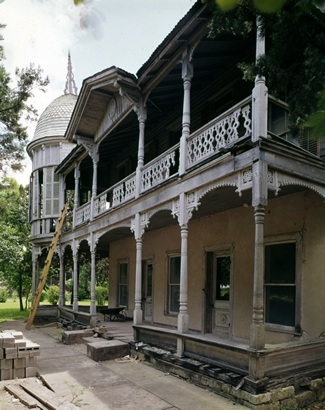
{"x":118,"y":384}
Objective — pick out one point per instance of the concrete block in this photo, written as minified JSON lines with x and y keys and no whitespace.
{"x":34,"y":353}
{"x":107,"y":350}
{"x":6,"y":364}
{"x":70,"y":337}
{"x":7,"y":340}
{"x":19,"y":363}
{"x":6,"y":374}
{"x":23,"y":353}
{"x":31,"y":371}
{"x":17,"y":335}
{"x":1,"y":353}
{"x":20,"y":343}
{"x":11,"y":353}
{"x":30,"y":362}
{"x":18,"y":373}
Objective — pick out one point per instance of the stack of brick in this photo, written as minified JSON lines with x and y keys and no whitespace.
{"x":17,"y":356}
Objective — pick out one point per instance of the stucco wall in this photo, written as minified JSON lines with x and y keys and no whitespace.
{"x":299,"y":215}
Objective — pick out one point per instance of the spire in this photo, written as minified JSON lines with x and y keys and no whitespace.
{"x":70,"y":85}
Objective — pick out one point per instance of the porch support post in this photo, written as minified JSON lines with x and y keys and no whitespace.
{"x":183,"y":319}
{"x":259,"y":201}
{"x":138,"y":232}
{"x":94,"y":185}
{"x":187,"y":74}
{"x":34,"y":272}
{"x":93,"y":276}
{"x":142,"y":116}
{"x":260,"y":92}
{"x":76,"y":193}
{"x":75,"y":277}
{"x":62,"y":278}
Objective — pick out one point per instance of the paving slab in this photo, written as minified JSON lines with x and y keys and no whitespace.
{"x":123,"y":383}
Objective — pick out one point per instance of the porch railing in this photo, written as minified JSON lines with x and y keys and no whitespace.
{"x":159,"y":169}
{"x":217,"y":135}
{"x":220,"y":133}
{"x":83,"y":213}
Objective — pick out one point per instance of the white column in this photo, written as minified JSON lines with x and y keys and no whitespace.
{"x":76,"y":193}
{"x":93,"y":278}
{"x":62,"y":279}
{"x":259,"y":202}
{"x":187,"y":74}
{"x":260,"y":92}
{"x":75,"y":278}
{"x":183,"y":315}
{"x":137,"y":229}
{"x":142,"y":116}
{"x":94,"y":185}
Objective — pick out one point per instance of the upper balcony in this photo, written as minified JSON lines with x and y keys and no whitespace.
{"x":213,"y":139}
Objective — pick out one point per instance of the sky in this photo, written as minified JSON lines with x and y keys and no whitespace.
{"x":98,"y":34}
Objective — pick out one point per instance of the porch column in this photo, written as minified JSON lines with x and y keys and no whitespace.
{"x":184,"y":211}
{"x":62,"y":278}
{"x":259,"y":202}
{"x":94,"y":184}
{"x":260,"y":92}
{"x":142,"y":116}
{"x":75,"y":277}
{"x":76,"y":193}
{"x":93,"y":276}
{"x":187,"y":74}
{"x":34,"y":271}
{"x":138,"y":232}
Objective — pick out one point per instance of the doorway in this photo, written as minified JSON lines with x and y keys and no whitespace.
{"x":147,"y":289}
{"x":218,"y":293}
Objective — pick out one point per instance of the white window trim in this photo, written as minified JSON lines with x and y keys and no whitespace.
{"x":282,"y":239}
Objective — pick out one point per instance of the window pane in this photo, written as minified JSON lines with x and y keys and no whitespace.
{"x":123,"y":297}
{"x":149,"y":280}
{"x":174,"y":269}
{"x":280,"y":263}
{"x":223,"y":278}
{"x":123,"y":273}
{"x":174,"y":298}
{"x":280,"y":305}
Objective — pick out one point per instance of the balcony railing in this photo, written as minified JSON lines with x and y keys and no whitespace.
{"x":220,"y":133}
{"x":214,"y":137}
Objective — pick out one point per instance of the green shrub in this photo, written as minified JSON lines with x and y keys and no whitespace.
{"x":101,"y":295}
{"x":3,"y":295}
{"x":53,"y":294}
{"x":83,"y":294}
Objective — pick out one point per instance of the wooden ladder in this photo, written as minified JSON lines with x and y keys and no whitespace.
{"x":47,"y":265}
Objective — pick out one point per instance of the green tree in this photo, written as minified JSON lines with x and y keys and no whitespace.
{"x":15,"y":249}
{"x":294,"y":62}
{"x":15,"y":108}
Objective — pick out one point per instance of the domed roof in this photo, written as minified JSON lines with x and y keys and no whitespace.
{"x":55,"y":118}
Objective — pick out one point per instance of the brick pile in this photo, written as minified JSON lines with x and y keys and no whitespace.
{"x":17,"y":356}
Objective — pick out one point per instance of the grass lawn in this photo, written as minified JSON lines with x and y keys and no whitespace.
{"x":10,"y":309}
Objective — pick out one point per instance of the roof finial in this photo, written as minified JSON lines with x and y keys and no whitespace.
{"x":70,"y":85}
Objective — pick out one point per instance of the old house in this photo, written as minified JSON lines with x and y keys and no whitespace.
{"x":210,"y":211}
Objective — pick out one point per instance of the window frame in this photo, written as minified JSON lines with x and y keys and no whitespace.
{"x":169,"y":310}
{"x":279,"y":240}
{"x":119,"y":285}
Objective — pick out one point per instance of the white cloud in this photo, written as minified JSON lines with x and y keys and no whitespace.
{"x":98,"y":33}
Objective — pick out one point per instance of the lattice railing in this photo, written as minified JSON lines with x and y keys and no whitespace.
{"x":124,"y":191}
{"x":220,"y":133}
{"x":83,"y":214}
{"x":158,"y":170}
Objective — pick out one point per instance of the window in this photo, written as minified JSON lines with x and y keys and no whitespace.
{"x":123,"y":284}
{"x":223,"y":278}
{"x":174,"y":275}
{"x":280,"y":284}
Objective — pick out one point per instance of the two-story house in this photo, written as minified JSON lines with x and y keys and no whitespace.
{"x":210,"y":212}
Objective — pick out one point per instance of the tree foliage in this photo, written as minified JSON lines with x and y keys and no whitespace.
{"x":16,"y":109}
{"x":15,"y":249}
{"x":294,"y":62}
